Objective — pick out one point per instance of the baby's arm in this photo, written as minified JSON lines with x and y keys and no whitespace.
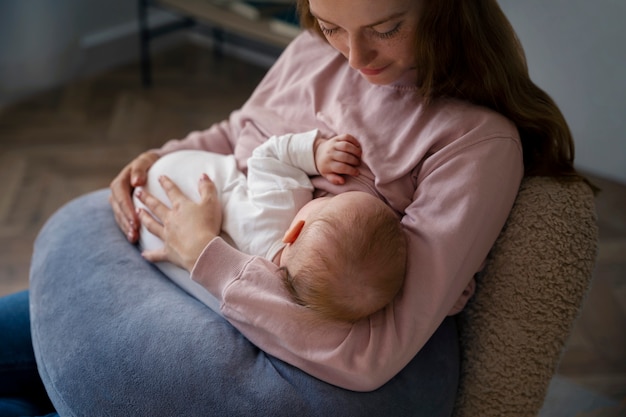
{"x":337,"y":156}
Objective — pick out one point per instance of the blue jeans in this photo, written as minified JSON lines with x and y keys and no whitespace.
{"x":21,"y":390}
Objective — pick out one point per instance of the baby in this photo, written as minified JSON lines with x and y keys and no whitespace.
{"x":342,"y":256}
{"x":345,"y":255}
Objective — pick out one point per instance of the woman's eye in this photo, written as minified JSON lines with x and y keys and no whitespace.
{"x":327,"y":31}
{"x":384,"y":33}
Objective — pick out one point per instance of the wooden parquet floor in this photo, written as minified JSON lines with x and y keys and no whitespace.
{"x":61,"y":144}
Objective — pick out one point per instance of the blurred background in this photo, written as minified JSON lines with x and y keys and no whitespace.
{"x":575,"y":48}
{"x":73,"y":112}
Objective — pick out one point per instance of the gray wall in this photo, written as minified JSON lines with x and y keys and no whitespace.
{"x":46,"y":42}
{"x":42,"y":41}
{"x":576,"y":51}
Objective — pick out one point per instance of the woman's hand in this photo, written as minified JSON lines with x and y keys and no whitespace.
{"x":337,"y":156}
{"x":185,"y":228}
{"x":133,"y":175}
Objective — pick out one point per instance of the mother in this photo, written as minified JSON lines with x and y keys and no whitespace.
{"x":439,"y":96}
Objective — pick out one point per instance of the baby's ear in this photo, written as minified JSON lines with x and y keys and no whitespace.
{"x":293,"y":232}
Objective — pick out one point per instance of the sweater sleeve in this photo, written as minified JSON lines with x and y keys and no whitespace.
{"x":460,"y":204}
{"x":219,"y":138}
{"x":286,"y":155}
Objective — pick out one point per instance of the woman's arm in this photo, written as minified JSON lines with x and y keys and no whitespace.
{"x":460,"y":204}
{"x":219,"y":138}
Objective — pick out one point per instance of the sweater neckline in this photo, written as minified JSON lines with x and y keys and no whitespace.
{"x":403,"y":87}
{"x":406,"y":83}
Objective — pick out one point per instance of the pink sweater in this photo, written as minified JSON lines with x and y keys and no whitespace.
{"x":452,"y":170}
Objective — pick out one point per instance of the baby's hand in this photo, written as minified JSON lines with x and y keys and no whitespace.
{"x":337,"y":156}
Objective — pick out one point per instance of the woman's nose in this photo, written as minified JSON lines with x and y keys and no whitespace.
{"x":360,"y":53}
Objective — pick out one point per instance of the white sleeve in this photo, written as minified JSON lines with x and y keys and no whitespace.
{"x":278,"y":186}
{"x":286,"y":156}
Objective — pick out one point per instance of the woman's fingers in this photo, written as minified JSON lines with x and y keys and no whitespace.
{"x":132,"y":175}
{"x":185,"y":228}
{"x":156,"y":207}
{"x":157,"y":255}
{"x":155,"y":227}
{"x":139,"y":168}
{"x":171,"y":189}
{"x":122,"y":205}
{"x":207,"y":190}
{"x":209,"y":200}
{"x":126,"y":222}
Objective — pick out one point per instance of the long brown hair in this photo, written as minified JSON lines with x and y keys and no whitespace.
{"x":469,"y":50}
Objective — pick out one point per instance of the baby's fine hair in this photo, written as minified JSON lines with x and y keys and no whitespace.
{"x":356,"y":270}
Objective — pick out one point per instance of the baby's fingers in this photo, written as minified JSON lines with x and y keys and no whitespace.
{"x":343,"y":168}
{"x":349,"y":144}
{"x":345,"y":158}
{"x":335,"y":179}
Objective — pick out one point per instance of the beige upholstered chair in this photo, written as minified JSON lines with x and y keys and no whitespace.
{"x":527,"y":299}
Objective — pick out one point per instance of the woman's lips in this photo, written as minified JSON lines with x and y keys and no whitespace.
{"x":372,"y":71}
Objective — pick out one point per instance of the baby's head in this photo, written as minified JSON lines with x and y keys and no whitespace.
{"x":347,"y":259}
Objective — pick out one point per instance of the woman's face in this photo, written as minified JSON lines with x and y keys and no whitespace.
{"x":376,"y":36}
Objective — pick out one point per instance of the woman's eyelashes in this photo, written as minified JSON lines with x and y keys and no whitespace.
{"x":328,"y":31}
{"x":389,"y":33}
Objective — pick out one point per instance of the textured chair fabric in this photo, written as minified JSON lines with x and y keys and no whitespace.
{"x":527,"y":298}
{"x":114,"y":337}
